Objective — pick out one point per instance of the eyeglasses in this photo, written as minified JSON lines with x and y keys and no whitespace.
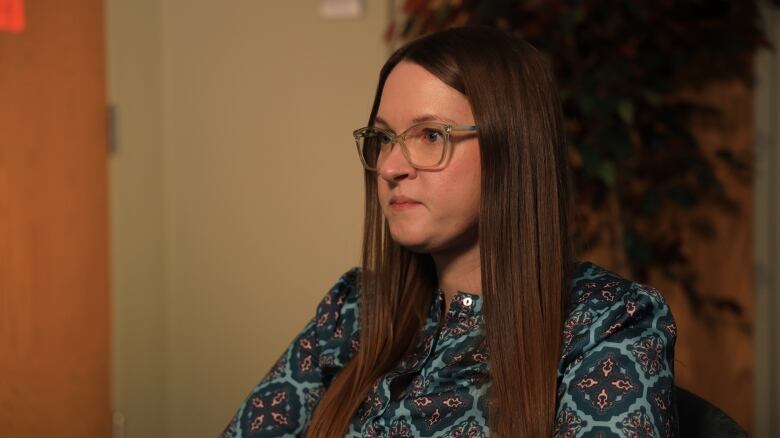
{"x":425,"y":145}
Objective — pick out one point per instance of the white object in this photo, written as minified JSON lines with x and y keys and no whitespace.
{"x":339,"y":9}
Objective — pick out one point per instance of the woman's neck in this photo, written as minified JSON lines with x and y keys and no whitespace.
{"x":458,"y":270}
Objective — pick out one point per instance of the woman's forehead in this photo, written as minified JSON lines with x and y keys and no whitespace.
{"x":412,"y":94}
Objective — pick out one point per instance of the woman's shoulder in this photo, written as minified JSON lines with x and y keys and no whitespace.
{"x":594,"y":287}
{"x":607,"y":307}
{"x":337,"y":321}
{"x":343,"y":292}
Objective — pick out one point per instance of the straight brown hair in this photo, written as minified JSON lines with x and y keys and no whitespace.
{"x":524,"y":239}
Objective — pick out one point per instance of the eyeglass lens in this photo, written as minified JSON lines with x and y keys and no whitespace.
{"x":425,"y":145}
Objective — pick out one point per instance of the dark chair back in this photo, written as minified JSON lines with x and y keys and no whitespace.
{"x":700,"y":418}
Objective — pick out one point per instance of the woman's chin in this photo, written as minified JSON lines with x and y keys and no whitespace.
{"x":428,"y":243}
{"x":413,"y":243}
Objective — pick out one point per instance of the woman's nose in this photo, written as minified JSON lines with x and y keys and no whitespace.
{"x":395,"y":166}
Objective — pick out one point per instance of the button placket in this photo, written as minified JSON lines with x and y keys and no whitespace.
{"x":427,"y":343}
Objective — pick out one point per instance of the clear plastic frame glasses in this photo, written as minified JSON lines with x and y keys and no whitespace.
{"x":425,"y":146}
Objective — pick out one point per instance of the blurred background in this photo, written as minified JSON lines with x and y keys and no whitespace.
{"x":179,"y":188}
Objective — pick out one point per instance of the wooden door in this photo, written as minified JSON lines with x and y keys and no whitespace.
{"x":54,"y":308}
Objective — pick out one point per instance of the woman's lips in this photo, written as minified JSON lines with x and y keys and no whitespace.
{"x":402,"y":203}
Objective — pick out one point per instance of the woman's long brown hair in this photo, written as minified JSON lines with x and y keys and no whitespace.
{"x":524,"y":240}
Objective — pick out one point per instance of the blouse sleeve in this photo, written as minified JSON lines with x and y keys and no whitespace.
{"x":617,"y":371}
{"x":282,"y":403}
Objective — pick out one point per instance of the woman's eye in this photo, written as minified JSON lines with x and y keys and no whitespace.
{"x":384,"y":138}
{"x":432,"y":136}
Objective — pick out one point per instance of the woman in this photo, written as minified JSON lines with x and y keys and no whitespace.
{"x":470,"y":315}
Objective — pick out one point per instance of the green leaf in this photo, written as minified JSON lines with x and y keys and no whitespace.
{"x":650,"y":202}
{"x":682,"y":196}
{"x":626,"y":111}
{"x":636,"y":248}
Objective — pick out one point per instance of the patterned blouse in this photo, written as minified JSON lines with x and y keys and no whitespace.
{"x":615,"y":378}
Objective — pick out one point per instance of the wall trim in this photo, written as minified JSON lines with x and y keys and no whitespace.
{"x":766,"y":234}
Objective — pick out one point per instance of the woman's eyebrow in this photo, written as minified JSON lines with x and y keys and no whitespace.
{"x":418,"y":119}
{"x":430,"y":118}
{"x":381,"y":121}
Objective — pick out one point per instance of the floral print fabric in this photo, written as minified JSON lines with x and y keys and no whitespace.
{"x":615,"y":377}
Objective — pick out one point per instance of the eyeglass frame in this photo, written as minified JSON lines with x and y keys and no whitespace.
{"x":401,"y":140}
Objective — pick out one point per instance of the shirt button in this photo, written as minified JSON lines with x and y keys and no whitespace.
{"x":467,"y":301}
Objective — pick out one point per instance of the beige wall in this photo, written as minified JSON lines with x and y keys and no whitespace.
{"x":137,"y":212}
{"x":236,"y":193}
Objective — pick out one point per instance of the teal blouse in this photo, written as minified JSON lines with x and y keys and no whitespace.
{"x":615,"y":376}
